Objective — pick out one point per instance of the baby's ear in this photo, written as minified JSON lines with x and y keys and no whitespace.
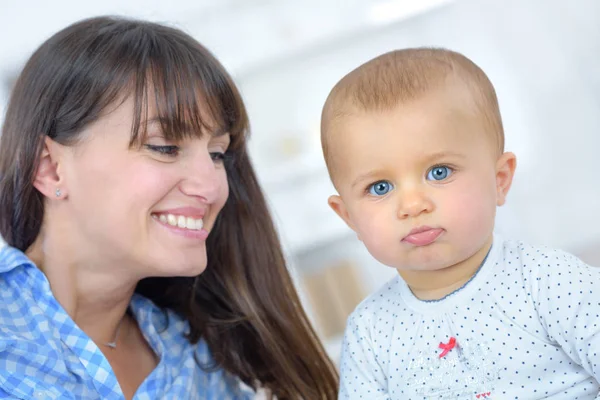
{"x":337,"y":204}
{"x":505,"y":171}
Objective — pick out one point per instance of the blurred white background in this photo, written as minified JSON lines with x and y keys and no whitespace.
{"x":543,"y":56}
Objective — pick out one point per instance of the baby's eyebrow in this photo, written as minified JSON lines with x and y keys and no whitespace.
{"x":443,"y":154}
{"x":365,"y":176}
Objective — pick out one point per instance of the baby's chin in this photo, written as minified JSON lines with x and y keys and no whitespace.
{"x":422,"y":262}
{"x":430,"y":262}
{"x":424,"y":267}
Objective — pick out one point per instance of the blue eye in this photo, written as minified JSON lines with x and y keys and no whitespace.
{"x":380,"y":188}
{"x":439,"y":173}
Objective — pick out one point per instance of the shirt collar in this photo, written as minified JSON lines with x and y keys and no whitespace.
{"x":11,"y":258}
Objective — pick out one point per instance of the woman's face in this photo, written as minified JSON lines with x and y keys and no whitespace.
{"x":148,"y":209}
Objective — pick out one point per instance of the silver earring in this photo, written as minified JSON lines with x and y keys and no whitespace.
{"x":57,"y":192}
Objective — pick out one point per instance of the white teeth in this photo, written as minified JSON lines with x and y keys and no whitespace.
{"x":181,"y":221}
{"x":172,"y":220}
{"x":190,"y":223}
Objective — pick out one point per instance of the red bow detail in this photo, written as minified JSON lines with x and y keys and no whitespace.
{"x":446,"y":347}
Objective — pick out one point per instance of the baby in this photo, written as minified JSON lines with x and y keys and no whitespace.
{"x":414,"y":145}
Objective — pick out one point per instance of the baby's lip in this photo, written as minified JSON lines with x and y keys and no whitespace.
{"x":423,"y":236}
{"x":419,"y":229}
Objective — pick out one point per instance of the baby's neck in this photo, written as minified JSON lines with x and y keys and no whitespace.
{"x":435,"y":285}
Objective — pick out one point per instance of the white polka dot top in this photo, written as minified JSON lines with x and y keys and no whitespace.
{"x":526,"y":326}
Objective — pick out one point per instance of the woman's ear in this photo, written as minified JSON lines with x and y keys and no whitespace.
{"x":47,"y":178}
{"x":505,"y":171}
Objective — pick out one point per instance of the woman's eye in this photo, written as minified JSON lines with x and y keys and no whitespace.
{"x":217,"y":156}
{"x":380,"y":188}
{"x":164,"y":150}
{"x":439,"y":173}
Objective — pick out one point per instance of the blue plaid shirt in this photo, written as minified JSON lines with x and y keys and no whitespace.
{"x":45,"y":355}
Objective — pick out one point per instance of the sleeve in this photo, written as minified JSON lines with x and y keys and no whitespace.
{"x":567,"y":297}
{"x":361,"y":376}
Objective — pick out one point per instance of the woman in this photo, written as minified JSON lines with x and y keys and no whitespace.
{"x":142,"y":260}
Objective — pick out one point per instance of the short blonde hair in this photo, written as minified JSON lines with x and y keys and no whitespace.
{"x":404,"y":75}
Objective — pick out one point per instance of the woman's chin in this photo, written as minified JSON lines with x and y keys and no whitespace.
{"x":180,"y":266}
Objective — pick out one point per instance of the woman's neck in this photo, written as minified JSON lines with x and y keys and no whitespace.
{"x":94,"y":295}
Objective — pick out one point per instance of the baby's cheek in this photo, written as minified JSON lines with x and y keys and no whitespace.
{"x":472,"y":208}
{"x":377,"y":234}
{"x":367,"y":229}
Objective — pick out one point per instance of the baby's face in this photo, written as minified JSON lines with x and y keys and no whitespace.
{"x":418,"y":184}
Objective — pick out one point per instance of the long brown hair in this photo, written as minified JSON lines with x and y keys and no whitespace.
{"x":244,"y":305}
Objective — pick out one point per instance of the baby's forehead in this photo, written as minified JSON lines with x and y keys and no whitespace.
{"x":441,"y":112}
{"x":430,"y":108}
